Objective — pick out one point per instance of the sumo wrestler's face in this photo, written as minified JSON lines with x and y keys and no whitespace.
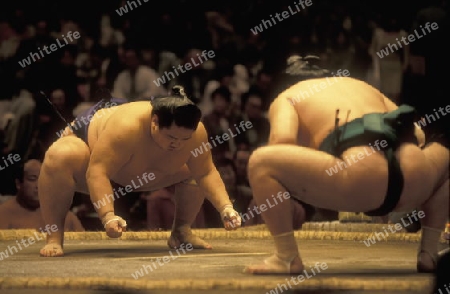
{"x":170,"y":139}
{"x":27,"y":189}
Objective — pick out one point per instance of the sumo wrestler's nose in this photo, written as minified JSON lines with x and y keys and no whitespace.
{"x":175,"y":144}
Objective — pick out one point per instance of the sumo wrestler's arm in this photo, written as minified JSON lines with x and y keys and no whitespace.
{"x":283,"y":120}
{"x":110,"y":153}
{"x":208,"y":179}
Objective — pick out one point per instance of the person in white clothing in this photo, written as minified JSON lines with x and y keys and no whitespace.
{"x":136,"y":81}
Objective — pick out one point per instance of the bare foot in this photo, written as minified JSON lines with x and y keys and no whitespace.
{"x":273,"y":265}
{"x":425,"y":262}
{"x":52,"y":250}
{"x":176,"y":239}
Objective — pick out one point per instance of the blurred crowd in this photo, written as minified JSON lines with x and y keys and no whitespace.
{"x":137,"y":56}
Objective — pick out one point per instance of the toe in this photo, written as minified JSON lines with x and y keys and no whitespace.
{"x":51,"y":250}
{"x":202,"y":245}
{"x":258,"y":269}
{"x":198,"y":243}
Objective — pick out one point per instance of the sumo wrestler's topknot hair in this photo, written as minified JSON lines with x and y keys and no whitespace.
{"x":298,"y":69}
{"x":176,"y":109}
{"x":179,"y":91}
{"x":305,"y":66}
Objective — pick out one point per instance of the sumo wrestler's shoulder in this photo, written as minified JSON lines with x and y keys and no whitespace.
{"x":200,"y":133}
{"x":8,"y":209}
{"x":129,"y":116}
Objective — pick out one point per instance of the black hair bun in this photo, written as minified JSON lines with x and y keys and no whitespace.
{"x":309,"y":59}
{"x":304,"y":66}
{"x":178,"y":91}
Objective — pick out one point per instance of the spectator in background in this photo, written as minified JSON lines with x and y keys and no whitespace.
{"x":219,"y":27}
{"x":63,"y":74}
{"x":435,"y":52}
{"x":219,"y":121}
{"x":252,"y":111}
{"x":136,"y":82}
{"x":150,"y":58}
{"x":9,"y":40}
{"x":111,"y":67}
{"x":195,"y":79}
{"x":240,"y":160}
{"x":361,"y":38}
{"x":301,"y":213}
{"x":23,"y":211}
{"x":109,"y":36}
{"x":167,"y":62}
{"x":18,"y":121}
{"x":251,"y":56}
{"x":426,"y":86}
{"x":238,"y":196}
{"x":41,"y":38}
{"x":161,"y":210}
{"x":264,"y":86}
{"x":49,"y":123}
{"x":388,"y":69}
{"x":66,"y":26}
{"x":83,"y":208}
{"x":90,"y":70}
{"x":58,"y":98}
{"x":341,"y":51}
{"x":227,"y":171}
{"x":223,"y":75}
{"x":38,"y":74}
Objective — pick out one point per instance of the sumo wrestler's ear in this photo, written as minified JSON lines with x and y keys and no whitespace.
{"x":154,"y":120}
{"x":18,"y":184}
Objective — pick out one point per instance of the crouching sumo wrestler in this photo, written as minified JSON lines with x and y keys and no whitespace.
{"x":120,"y":146}
{"x":346,"y":119}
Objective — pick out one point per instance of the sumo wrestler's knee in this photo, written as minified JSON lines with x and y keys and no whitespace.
{"x":66,"y":154}
{"x":188,"y":189}
{"x":56,"y":159}
{"x":258,"y":163}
